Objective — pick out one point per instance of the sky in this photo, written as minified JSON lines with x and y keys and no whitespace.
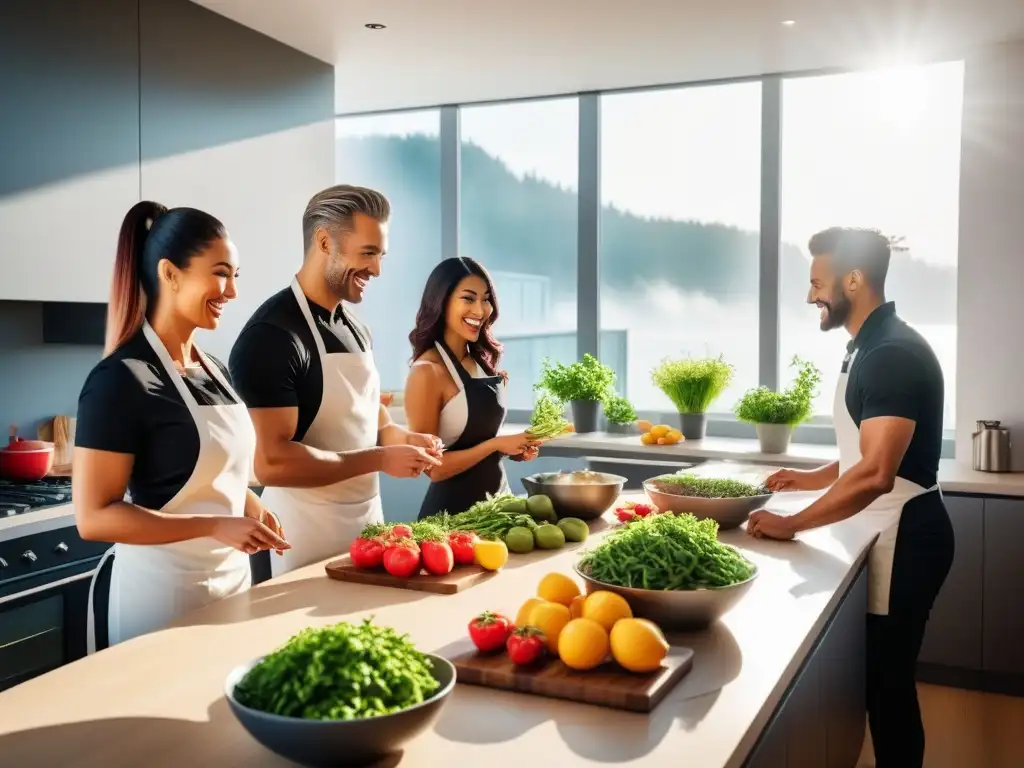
{"x":878,"y":149}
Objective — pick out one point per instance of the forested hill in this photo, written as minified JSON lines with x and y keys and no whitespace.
{"x":533,"y":222}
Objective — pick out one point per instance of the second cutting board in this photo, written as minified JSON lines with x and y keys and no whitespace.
{"x":462,"y":577}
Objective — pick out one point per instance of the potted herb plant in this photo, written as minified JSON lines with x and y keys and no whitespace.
{"x":619,"y":414}
{"x":692,"y":385}
{"x":775,"y":414}
{"x":584,"y":385}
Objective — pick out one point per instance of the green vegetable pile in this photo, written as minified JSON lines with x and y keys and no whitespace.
{"x":341,"y":672}
{"x":706,"y":487}
{"x":793,"y":406}
{"x":666,"y":552}
{"x":588,"y":379}
{"x":618,"y":410}
{"x":692,"y":385}
{"x":547,"y":421}
{"x":491,"y":518}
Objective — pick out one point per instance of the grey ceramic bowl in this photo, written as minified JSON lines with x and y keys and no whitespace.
{"x":334,"y":743}
{"x":586,"y":501}
{"x":680,"y":610}
{"x":729,"y":513}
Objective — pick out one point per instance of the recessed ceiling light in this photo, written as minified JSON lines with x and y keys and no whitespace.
{"x":788,"y":23}
{"x":374,"y":26}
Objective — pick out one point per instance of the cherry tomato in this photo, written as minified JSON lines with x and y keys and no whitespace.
{"x":489,"y":631}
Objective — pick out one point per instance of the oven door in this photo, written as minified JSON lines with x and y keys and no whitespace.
{"x":43,"y":621}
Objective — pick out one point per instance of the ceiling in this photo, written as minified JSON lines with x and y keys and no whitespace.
{"x":457,"y":51}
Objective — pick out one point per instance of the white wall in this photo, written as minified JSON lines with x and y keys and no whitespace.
{"x":259,"y":188}
{"x":990,"y":311}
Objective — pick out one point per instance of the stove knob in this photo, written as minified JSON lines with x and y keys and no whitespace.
{"x":60,"y":549}
{"x":3,"y":563}
{"x":29,"y":556}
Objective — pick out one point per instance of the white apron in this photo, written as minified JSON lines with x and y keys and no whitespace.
{"x":323,"y":522}
{"x":153,"y":585}
{"x":884,"y":512}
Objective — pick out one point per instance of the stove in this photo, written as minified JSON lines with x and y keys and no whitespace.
{"x":18,"y":498}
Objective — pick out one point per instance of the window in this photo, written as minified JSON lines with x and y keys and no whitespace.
{"x":873,"y":149}
{"x":680,"y":221}
{"x":518,"y":218}
{"x":400,"y":155}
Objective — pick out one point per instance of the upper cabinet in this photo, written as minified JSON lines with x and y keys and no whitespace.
{"x":69,"y":144}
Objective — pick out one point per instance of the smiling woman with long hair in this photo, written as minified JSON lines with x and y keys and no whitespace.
{"x":456,"y":390}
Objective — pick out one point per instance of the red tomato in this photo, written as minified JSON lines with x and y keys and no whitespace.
{"x":437,"y":557}
{"x":366,"y":553}
{"x":462,"y":543}
{"x":402,"y":558}
{"x":624,"y":515}
{"x":525,"y":645}
{"x":642,"y":510}
{"x":401,"y":531}
{"x":489,"y":631}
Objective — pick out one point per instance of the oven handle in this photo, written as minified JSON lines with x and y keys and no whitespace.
{"x":47,"y":587}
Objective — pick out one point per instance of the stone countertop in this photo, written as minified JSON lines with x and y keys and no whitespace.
{"x":158,"y":700}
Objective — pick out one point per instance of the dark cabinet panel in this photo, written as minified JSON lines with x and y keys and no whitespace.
{"x":953,"y":635}
{"x":1003,"y":610}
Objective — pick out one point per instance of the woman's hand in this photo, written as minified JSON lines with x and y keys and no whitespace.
{"x":248,"y":534}
{"x":514,"y":445}
{"x":528,"y":455}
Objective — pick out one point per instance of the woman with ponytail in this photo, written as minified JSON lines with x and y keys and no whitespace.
{"x":163,"y":445}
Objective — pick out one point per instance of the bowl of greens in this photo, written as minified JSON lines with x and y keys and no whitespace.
{"x":728,"y":502}
{"x":346,"y":694}
{"x":672,"y":570}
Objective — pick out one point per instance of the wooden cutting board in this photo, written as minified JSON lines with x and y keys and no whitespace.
{"x":609,"y":685}
{"x":463,"y":577}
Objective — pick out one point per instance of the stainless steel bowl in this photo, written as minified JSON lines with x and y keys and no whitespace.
{"x":681,"y":609}
{"x":586,"y":501}
{"x":331,"y":743}
{"x":729,"y":513}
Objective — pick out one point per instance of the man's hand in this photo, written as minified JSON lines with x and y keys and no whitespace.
{"x":407,"y":461}
{"x":763,"y":524}
{"x":430,"y":443}
{"x":788,"y":480}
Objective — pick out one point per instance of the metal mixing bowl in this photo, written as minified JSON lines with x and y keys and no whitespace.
{"x":729,"y":513}
{"x":586,"y":501}
{"x":682,"y":610}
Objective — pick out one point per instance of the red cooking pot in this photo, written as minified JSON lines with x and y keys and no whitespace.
{"x":26,"y":461}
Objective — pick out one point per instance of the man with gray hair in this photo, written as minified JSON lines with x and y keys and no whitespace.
{"x":303,"y":364}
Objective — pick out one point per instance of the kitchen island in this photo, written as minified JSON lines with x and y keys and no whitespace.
{"x":779,"y":681}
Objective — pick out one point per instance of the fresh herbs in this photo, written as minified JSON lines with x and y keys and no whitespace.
{"x":666,"y":552}
{"x":588,"y":379}
{"x":793,"y":406}
{"x":547,"y":420}
{"x":618,"y":410}
{"x":692,"y":385}
{"x":341,"y":672}
{"x":491,"y":518}
{"x":686,"y":484}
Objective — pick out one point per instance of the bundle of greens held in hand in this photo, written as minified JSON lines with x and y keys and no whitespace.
{"x":666,"y":552}
{"x":692,"y":385}
{"x":341,"y":672}
{"x":793,"y":406}
{"x":491,"y":518}
{"x":547,"y":421}
{"x":685,"y":484}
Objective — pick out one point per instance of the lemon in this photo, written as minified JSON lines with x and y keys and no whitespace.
{"x":660,"y":431}
{"x":606,"y":608}
{"x":490,"y":555}
{"x":576,"y":606}
{"x":558,"y":588}
{"x":523,"y":617}
{"x":674,"y":436}
{"x":550,"y":618}
{"x":647,"y":438}
{"x":638,"y":645}
{"x":583,"y":644}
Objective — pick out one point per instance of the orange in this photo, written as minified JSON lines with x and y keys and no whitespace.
{"x":583,"y":644}
{"x":606,"y":608}
{"x":660,"y":431}
{"x":550,"y":618}
{"x":647,"y":438}
{"x":523,"y":617}
{"x":638,"y":645}
{"x":576,"y":606}
{"x":558,"y":588}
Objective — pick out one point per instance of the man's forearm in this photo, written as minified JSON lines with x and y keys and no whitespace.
{"x":850,"y":494}
{"x":826,"y":475}
{"x":125,"y":523}
{"x":294,"y":465}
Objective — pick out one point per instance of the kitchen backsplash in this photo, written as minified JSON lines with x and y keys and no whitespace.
{"x":39,"y":381}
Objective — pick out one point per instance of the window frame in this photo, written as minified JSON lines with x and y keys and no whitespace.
{"x":818,"y":429}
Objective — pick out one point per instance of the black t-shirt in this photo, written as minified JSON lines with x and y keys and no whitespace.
{"x":894,"y":372}
{"x":129,"y":404}
{"x":275,"y":362}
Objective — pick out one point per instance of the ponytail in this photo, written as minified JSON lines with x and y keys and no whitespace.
{"x":127,"y":308}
